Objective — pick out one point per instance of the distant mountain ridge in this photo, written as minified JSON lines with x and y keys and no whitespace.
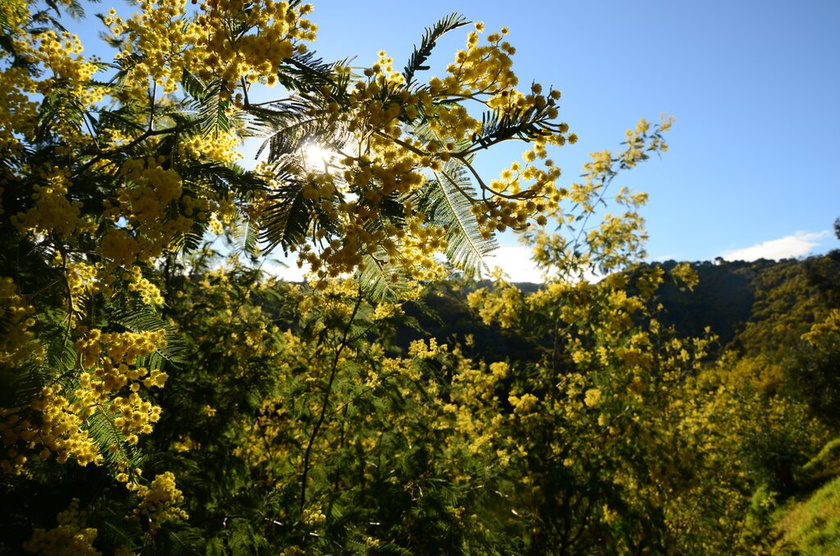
{"x":761,"y":306}
{"x":758,"y":306}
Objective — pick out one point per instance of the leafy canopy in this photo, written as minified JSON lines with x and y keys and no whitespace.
{"x":273,"y":415}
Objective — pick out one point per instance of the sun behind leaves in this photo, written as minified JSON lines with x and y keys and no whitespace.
{"x":156,"y":398}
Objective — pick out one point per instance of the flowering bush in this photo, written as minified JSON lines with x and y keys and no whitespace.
{"x":295,"y":417}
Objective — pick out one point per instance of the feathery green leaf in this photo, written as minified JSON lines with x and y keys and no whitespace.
{"x":428,"y":42}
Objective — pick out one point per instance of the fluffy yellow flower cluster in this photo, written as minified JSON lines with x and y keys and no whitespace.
{"x":422,"y":350}
{"x":66,"y":70}
{"x":469,"y":73}
{"x":618,"y":239}
{"x":18,"y":113}
{"x":237,"y":42}
{"x":56,"y":53}
{"x":17,"y":341}
{"x":118,"y":347}
{"x":220,"y":147}
{"x":145,"y":216}
{"x":383,"y":158}
{"x":81,"y":281}
{"x":592,"y":397}
{"x":13,"y":13}
{"x":514,"y":206}
{"x":386,"y":311}
{"x":523,"y":404}
{"x":314,"y":515}
{"x":828,"y":325}
{"x":66,"y":79}
{"x":149,"y":293}
{"x":685,"y":275}
{"x":473,"y":399}
{"x":477,"y":383}
{"x":159,"y":502}
{"x":154,"y":188}
{"x":385,"y":67}
{"x":264,"y":36}
{"x":157,"y":35}
{"x":504,"y":307}
{"x":69,"y":538}
{"x":109,"y":359}
{"x":58,"y":430}
{"x":53,"y":211}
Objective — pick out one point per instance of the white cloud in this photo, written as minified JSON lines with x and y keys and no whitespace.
{"x":517,"y":266}
{"x":792,"y":246}
{"x":290,"y":273}
{"x":664,"y":258}
{"x":516,"y":263}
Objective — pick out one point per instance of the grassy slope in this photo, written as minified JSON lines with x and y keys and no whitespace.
{"x":813,"y":526}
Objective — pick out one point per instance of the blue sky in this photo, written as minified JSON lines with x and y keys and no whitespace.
{"x":753,"y":85}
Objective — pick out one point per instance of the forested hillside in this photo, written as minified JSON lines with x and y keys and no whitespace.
{"x":756,"y":306}
{"x":160,"y":394}
{"x":445,"y":406}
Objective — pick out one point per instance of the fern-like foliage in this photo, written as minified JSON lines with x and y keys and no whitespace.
{"x":209,"y":103}
{"x":287,"y":126}
{"x":243,"y":239}
{"x":304,"y":73}
{"x":111,"y":440}
{"x":496,"y":127}
{"x":312,"y":83}
{"x":427,"y":44}
{"x":380,"y":279}
{"x":291,"y":123}
{"x":73,"y":8}
{"x":140,"y":318}
{"x":447,"y":200}
{"x":58,"y":107}
{"x":291,"y":217}
{"x":123,"y":118}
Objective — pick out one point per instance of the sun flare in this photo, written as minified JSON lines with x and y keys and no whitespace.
{"x":316,"y":156}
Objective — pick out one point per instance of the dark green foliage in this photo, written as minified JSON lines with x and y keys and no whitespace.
{"x":381,"y":279}
{"x":722,"y":300}
{"x":427,"y":44}
{"x":208,"y":103}
{"x":743,"y":302}
{"x":813,"y":375}
{"x":443,"y":313}
{"x":515,"y":124}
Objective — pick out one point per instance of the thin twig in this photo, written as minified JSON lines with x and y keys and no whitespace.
{"x":326,"y":402}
